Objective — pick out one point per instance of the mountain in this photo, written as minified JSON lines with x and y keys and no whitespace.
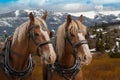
{"x":9,"y":21}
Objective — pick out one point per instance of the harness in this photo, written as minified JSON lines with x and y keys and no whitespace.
{"x":8,"y":68}
{"x":6,"y":63}
{"x":71,"y":72}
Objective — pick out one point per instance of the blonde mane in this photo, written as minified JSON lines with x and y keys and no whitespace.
{"x":21,"y":31}
{"x":61,"y":35}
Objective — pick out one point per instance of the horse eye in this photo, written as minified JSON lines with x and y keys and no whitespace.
{"x":72,"y":35}
{"x":36,"y":34}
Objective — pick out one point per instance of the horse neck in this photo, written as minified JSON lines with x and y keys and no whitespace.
{"x":67,"y":59}
{"x":20,"y":55}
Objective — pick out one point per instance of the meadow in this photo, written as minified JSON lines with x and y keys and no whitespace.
{"x":102,"y":68}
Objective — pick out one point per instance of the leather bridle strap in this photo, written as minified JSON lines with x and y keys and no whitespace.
{"x":44,"y":43}
{"x":79,"y":43}
{"x":32,"y":35}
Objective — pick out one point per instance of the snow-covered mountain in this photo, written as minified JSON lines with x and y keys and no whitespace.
{"x":11,"y":20}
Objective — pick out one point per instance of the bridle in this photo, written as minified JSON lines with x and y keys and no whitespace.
{"x":76,"y":44}
{"x":37,"y":43}
{"x":70,"y":73}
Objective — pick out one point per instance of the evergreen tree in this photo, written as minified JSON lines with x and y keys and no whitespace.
{"x":95,"y":27}
{"x":100,"y":42}
{"x":107,"y":42}
{"x":104,"y":26}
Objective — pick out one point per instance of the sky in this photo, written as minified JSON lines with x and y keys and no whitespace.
{"x":60,"y":5}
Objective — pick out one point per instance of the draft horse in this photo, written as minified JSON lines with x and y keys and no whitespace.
{"x":72,"y":52}
{"x":29,"y":38}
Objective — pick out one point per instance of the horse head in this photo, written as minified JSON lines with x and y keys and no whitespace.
{"x":40,"y":38}
{"x":71,"y":36}
{"x":75,"y":34}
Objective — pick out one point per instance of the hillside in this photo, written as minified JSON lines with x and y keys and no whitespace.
{"x":11,"y":20}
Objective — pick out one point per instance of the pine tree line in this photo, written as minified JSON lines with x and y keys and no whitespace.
{"x":105,"y":42}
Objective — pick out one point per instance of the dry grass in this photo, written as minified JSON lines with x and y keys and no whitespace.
{"x":37,"y":72}
{"x":102,"y":68}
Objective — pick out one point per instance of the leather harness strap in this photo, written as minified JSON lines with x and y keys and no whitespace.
{"x":8,"y":68}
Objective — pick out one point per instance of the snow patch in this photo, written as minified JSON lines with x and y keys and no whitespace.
{"x":93,"y":49}
{"x":58,"y":13}
{"x":4,"y":23}
{"x":118,"y":39}
{"x":17,"y":13}
{"x":93,"y":36}
{"x":92,"y":14}
{"x":107,"y":51}
{"x":104,"y":32}
{"x":89,"y":14}
{"x":100,"y":29}
{"x":117,"y":19}
{"x":116,"y":13}
{"x":35,"y":12}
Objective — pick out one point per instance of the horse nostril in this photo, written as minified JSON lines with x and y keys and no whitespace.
{"x":85,"y":57}
{"x":50,"y":57}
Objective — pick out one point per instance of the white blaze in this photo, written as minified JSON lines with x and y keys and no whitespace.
{"x":85,"y":48}
{"x":52,"y":53}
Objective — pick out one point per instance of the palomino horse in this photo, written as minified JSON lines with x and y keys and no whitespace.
{"x":72,"y":52}
{"x":31,"y":37}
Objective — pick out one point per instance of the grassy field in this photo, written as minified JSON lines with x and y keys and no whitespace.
{"x":101,"y":68}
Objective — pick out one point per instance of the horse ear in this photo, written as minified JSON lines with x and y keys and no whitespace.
{"x":69,"y":19}
{"x":31,"y":17}
{"x":44,"y":16}
{"x":80,"y":18}
{"x":68,"y":22}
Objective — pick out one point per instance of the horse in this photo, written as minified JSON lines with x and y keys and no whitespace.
{"x":29,"y":38}
{"x":72,"y":52}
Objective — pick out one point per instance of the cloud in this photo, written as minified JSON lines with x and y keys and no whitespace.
{"x":32,"y":2}
{"x":71,"y":6}
{"x":61,"y":5}
{"x":104,"y":1}
{"x":99,"y":7}
{"x":74,"y":7}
